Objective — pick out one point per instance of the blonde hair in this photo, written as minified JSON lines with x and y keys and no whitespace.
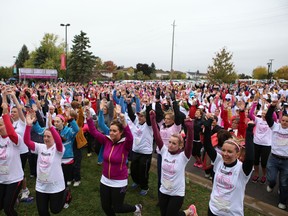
{"x":180,"y":139}
{"x":171,"y":114}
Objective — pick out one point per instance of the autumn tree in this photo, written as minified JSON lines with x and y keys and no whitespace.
{"x":222,"y":69}
{"x":110,"y":66}
{"x":82,"y":61}
{"x":260,"y":72}
{"x":281,"y":73}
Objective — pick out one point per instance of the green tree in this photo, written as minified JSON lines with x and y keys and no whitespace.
{"x":244,"y":76}
{"x":22,"y":57}
{"x":47,"y":55}
{"x":222,"y":69}
{"x":6,"y":72}
{"x":281,"y":73}
{"x":260,"y":72}
{"x":81,"y":61}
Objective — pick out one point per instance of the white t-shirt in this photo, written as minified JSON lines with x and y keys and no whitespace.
{"x":142,"y":136}
{"x":228,"y":191}
{"x":173,"y":173}
{"x":19,"y":127}
{"x":50,"y":178}
{"x":10,"y":162}
{"x":279,"y":140}
{"x":262,"y":133}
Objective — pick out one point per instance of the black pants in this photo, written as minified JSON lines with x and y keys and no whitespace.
{"x":56,"y":201}
{"x":68,"y":172}
{"x":112,"y":200}
{"x":140,"y":166}
{"x":77,"y":162}
{"x":32,"y":160}
{"x":196,"y":150}
{"x":8,"y":196}
{"x":170,"y":205}
{"x":262,"y":152}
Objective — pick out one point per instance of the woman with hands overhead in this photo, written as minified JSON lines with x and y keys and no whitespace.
{"x":174,"y":161}
{"x":50,"y":184}
{"x":114,"y":179}
{"x":231,"y":175}
{"x":11,"y":172}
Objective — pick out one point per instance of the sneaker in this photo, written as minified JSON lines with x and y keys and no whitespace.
{"x":200,"y":165}
{"x":66,"y":205}
{"x":269,"y":189}
{"x":69,"y":182}
{"x":144,"y":192}
{"x":255,"y":179}
{"x":27,"y":200}
{"x":281,"y":206}
{"x":25,"y":194}
{"x":207,"y":176}
{"x":263,"y":180}
{"x":89,"y":154}
{"x":192,"y":209}
{"x":138,"y":210}
{"x":99,"y":163}
{"x":134,"y":185}
{"x":76,"y":183}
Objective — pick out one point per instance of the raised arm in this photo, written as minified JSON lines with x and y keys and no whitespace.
{"x":269,"y":114}
{"x":55,"y":134}
{"x":249,"y":149}
{"x":92,"y":130}
{"x":252,"y":111}
{"x":190,"y":137}
{"x":207,"y":139}
{"x":101,"y":123}
{"x":156,"y":132}
{"x":27,"y":134}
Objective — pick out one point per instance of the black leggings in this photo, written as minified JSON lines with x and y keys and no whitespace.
{"x":112,"y":200}
{"x":196,"y":150}
{"x":170,"y":205}
{"x":68,"y":172}
{"x":56,"y":201}
{"x":262,"y":152}
{"x":8,"y":196}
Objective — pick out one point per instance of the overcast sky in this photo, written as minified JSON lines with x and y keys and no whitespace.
{"x":137,"y":31}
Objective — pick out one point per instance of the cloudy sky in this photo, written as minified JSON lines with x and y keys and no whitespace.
{"x":137,"y":31}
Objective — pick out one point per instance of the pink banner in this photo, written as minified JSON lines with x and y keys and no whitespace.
{"x":63,"y":62}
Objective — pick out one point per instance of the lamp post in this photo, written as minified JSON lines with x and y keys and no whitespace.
{"x":66,"y":48}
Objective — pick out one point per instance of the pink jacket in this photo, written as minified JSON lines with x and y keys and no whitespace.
{"x":115,"y":154}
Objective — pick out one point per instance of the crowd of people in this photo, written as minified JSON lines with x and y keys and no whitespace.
{"x":229,"y":130}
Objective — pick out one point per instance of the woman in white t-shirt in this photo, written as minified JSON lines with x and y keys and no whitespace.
{"x":11,"y":173}
{"x":174,"y":161}
{"x":50,"y":184}
{"x":231,"y":175}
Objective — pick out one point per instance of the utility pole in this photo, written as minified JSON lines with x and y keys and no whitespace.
{"x":271,"y":64}
{"x":172,"y":46}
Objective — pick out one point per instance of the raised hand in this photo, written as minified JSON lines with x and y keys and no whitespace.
{"x":4,"y":107}
{"x":30,"y":118}
{"x":49,"y":120}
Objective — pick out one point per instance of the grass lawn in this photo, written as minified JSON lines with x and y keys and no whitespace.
{"x":86,"y":198}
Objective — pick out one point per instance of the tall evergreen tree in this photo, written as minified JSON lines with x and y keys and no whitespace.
{"x":81,"y":61}
{"x":23,"y":56}
{"x":222,"y":69}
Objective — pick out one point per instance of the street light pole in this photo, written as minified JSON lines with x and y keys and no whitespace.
{"x":66,"y":49}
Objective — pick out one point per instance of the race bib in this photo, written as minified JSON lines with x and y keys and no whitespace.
{"x":4,"y":170}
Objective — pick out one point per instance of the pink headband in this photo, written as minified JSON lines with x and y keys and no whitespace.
{"x":230,"y":141}
{"x":61,"y":117}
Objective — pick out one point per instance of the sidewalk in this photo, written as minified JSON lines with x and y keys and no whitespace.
{"x":250,"y":202}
